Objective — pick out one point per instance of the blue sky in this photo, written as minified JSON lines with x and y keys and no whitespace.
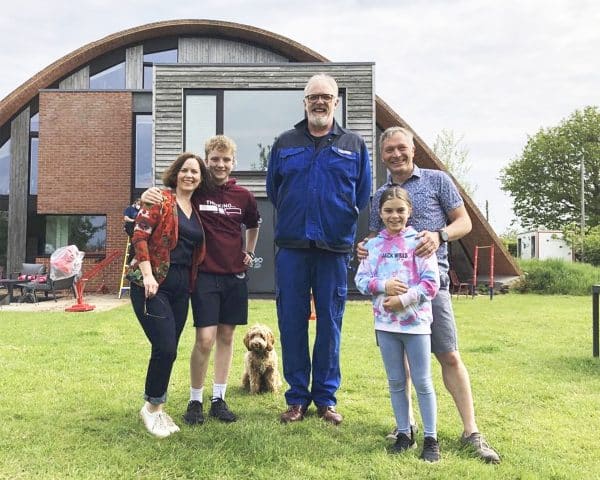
{"x":494,"y":72}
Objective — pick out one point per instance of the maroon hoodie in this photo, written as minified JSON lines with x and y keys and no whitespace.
{"x":223,"y":212}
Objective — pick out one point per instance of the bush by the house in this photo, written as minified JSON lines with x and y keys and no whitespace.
{"x":557,"y":277}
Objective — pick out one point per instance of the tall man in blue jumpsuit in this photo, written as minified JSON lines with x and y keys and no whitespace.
{"x":318,"y":179}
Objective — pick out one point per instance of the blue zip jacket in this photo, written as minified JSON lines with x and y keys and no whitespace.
{"x":318,"y":191}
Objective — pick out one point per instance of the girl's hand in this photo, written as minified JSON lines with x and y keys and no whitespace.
{"x":392,"y":304}
{"x":150,"y":285}
{"x":395,"y":287}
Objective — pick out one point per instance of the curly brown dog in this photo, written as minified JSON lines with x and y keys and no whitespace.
{"x":261,"y":373}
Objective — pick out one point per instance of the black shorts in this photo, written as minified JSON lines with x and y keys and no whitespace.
{"x":220,"y":299}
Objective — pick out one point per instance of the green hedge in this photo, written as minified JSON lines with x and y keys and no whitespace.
{"x":557,"y":277}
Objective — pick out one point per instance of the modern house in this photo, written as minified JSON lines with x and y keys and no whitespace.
{"x":90,"y":132}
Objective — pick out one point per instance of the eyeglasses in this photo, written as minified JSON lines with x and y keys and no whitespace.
{"x":147,"y":313}
{"x":323,"y":96}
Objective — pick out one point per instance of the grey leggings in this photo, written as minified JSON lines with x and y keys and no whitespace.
{"x":418,"y":351}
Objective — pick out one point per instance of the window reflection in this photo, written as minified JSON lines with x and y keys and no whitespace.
{"x":4,"y":168}
{"x":166,"y":56}
{"x":34,"y":124}
{"x":87,"y":232}
{"x":33,"y":166}
{"x":253,"y":118}
{"x":3,"y":239}
{"x":143,"y":151}
{"x":111,"y":78}
{"x":201,"y":121}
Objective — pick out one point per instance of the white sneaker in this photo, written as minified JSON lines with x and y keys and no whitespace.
{"x":173,"y":428}
{"x":155,"y":423}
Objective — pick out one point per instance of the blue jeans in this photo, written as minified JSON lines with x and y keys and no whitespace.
{"x":297,"y":271}
{"x":418,"y":351}
{"x":162,"y":318}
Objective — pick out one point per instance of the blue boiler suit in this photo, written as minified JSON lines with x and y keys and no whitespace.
{"x":317,"y":186}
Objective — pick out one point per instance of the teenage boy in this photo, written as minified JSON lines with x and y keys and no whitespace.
{"x":220,"y":299}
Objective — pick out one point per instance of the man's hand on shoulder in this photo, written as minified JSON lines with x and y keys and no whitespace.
{"x":152,"y":196}
{"x":430,"y":242}
{"x":361,"y":248}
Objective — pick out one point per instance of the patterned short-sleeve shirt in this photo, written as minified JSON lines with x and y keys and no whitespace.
{"x":433,"y":195}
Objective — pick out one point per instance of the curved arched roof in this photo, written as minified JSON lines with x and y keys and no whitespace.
{"x":482,"y":233}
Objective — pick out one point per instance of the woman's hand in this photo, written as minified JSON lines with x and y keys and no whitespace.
{"x":150,"y":285}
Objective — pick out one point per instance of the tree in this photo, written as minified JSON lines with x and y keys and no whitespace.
{"x":545,"y":181}
{"x":591,"y":243}
{"x":454,"y":156}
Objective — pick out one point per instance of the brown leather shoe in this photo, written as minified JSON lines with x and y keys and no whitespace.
{"x":329,"y":414}
{"x":294,"y":413}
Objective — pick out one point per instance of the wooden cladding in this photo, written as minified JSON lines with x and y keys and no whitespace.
{"x":172,"y":80}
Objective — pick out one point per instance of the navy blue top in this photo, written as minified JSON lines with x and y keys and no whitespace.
{"x":190,"y":234}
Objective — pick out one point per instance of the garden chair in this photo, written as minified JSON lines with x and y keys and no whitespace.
{"x":49,"y":286}
{"x":458,"y":287}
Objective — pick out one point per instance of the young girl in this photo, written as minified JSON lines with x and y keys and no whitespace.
{"x":402,"y":286}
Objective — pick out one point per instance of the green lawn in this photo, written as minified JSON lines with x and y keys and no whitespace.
{"x":71,"y":385}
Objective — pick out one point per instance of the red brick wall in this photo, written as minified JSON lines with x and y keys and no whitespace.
{"x":85,"y":164}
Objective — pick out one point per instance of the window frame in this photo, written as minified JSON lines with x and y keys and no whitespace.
{"x":219,"y":93}
{"x":42,"y":239}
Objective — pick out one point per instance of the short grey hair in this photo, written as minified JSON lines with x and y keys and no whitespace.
{"x":323,"y":76}
{"x":389,"y":132}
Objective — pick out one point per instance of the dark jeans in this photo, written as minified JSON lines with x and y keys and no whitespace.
{"x":162,"y":317}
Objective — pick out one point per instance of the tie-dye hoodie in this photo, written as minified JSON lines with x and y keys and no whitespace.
{"x":393,"y":256}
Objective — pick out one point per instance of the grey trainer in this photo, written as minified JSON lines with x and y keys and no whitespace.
{"x":477,"y":442}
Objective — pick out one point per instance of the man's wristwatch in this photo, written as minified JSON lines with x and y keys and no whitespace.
{"x":443,"y":236}
{"x":251,"y":255}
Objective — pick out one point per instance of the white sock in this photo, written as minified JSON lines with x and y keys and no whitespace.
{"x":196,"y":394}
{"x":219,"y":390}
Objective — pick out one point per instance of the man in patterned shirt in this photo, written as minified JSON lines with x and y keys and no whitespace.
{"x":439,"y":216}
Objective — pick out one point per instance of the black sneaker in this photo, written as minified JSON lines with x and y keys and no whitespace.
{"x":219,"y":410}
{"x":403,"y":442}
{"x":193,"y":414}
{"x":393,"y":435}
{"x":431,"y":450}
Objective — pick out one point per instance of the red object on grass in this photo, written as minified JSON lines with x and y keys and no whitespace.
{"x":81,"y":306}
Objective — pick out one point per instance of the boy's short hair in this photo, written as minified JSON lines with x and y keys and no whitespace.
{"x":221,"y":143}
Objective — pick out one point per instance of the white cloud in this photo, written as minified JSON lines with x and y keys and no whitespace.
{"x":493,"y":71}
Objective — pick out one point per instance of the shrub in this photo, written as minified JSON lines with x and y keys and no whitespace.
{"x":557,"y":277}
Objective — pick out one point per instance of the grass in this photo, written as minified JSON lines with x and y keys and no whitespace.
{"x":71,"y":388}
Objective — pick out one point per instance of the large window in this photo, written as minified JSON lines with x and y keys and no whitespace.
{"x":3,"y":238}
{"x":200,"y":121}
{"x":252,"y":118}
{"x":4,"y":168}
{"x":166,"y":56}
{"x":34,"y":128}
{"x":87,"y":232}
{"x":109,"y":79}
{"x":143,"y":151}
